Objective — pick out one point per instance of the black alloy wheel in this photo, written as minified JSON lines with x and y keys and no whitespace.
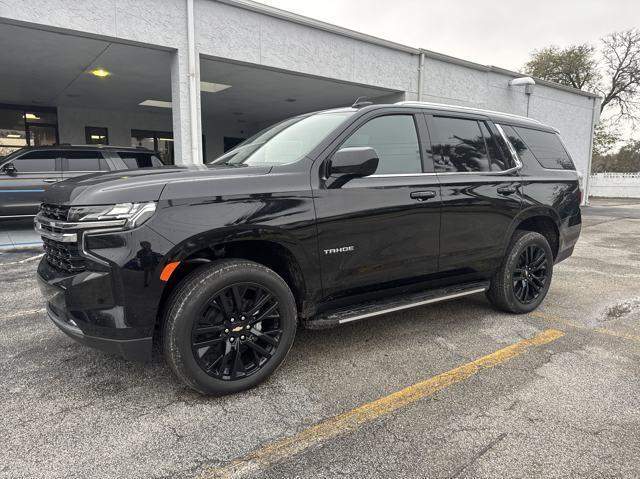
{"x":523,"y":279}
{"x":228,"y":326}
{"x":237,"y":332}
{"x":530,"y":274}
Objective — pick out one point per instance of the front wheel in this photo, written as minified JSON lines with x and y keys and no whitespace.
{"x":228,"y":326}
{"x":522,"y":281}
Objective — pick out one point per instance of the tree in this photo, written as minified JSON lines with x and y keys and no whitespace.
{"x":574,"y":66}
{"x":621,"y":64}
{"x":616,"y":77}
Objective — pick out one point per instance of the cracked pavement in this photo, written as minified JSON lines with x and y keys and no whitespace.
{"x":567,"y":409}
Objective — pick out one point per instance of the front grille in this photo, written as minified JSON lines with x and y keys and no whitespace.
{"x":63,"y":256}
{"x":55,"y":212}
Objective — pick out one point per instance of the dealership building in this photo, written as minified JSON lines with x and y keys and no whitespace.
{"x":192,"y":78}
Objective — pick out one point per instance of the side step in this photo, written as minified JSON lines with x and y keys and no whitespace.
{"x":395,"y":303}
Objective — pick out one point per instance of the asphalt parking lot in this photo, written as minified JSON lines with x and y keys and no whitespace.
{"x":451,"y":390}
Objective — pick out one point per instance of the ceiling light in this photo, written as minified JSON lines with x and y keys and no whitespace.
{"x":13,"y":135}
{"x":213,"y":87}
{"x":98,"y":137}
{"x":165,"y":139}
{"x":100,"y":73}
{"x":31,"y":116}
{"x":157,"y":103}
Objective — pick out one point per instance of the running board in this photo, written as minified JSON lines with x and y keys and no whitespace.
{"x":390,"y":305}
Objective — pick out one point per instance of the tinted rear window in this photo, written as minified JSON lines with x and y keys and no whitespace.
{"x":545,"y":147}
{"x":135,"y":160}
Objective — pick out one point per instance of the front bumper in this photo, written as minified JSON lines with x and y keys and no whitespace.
{"x":112,"y":304}
{"x":134,"y":349}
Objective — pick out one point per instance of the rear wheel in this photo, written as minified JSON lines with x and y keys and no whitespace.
{"x":229,"y":326}
{"x":522,"y":281}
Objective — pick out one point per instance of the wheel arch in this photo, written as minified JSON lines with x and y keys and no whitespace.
{"x":272,"y":247}
{"x":541,"y":220}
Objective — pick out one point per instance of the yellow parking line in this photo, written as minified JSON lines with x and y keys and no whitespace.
{"x":351,"y":420}
{"x":576,"y":325}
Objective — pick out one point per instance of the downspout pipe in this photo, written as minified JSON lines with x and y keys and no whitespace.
{"x":193,"y":84}
{"x":595,"y":119}
{"x":420,"y":73}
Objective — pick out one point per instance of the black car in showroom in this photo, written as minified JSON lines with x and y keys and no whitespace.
{"x":26,"y":174}
{"x":320,"y":220}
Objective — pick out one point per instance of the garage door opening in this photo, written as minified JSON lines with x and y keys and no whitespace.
{"x":238,"y":100}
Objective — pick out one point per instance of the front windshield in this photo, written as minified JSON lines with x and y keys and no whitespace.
{"x":285,"y":142}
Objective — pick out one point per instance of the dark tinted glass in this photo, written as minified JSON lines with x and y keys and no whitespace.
{"x":497,"y":159}
{"x":36,"y":161}
{"x":459,"y":146}
{"x":525,"y":155}
{"x":78,"y":160}
{"x":395,"y":140}
{"x":546,"y":148}
{"x":139,"y":160}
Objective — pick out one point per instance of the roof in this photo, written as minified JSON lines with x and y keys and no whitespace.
{"x":65,"y":146}
{"x":493,"y":115}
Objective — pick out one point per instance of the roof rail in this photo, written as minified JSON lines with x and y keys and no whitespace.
{"x":444,"y":106}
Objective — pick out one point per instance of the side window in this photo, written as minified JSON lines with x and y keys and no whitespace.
{"x":460,"y":146}
{"x":497,"y":159}
{"x":395,"y":139}
{"x":525,"y":155}
{"x":78,"y":160}
{"x":546,"y":147}
{"x":135,"y":160}
{"x":36,"y":162}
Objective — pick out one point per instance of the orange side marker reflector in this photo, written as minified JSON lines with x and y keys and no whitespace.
{"x":168,"y":270}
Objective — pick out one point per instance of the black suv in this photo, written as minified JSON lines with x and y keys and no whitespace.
{"x":26,"y":174}
{"x":320,"y":220}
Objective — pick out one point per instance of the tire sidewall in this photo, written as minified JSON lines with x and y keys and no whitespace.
{"x":527,"y":239}
{"x":203,"y":287}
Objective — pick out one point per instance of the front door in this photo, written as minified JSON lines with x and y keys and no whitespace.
{"x":24,"y":180}
{"x":381,"y":230}
{"x":481,"y":192}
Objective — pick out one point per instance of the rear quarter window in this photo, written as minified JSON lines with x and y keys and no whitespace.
{"x":135,"y":160}
{"x":545,"y":147}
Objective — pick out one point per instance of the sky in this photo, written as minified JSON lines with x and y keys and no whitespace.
{"x":491,"y":32}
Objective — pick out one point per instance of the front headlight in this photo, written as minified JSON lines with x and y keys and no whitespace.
{"x":125,"y":214}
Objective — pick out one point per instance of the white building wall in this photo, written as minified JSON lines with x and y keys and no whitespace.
{"x":259,"y":35}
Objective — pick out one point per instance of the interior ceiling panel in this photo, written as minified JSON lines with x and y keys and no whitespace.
{"x":52,"y":69}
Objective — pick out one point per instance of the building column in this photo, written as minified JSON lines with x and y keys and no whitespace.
{"x":187,"y":129}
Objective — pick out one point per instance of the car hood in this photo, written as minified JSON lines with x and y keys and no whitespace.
{"x":146,"y":184}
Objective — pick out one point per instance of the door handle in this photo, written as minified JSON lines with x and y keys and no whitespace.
{"x":423,"y":195}
{"x":507,"y":190}
{"x":50,"y":180}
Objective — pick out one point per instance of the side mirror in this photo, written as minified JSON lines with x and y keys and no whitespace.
{"x":351,"y":162}
{"x":9,"y":169}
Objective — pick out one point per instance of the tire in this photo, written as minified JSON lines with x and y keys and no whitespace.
{"x":522,"y":281}
{"x":210,"y":345}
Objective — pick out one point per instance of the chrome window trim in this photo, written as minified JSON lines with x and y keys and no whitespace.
{"x":391,"y":175}
{"x":483,"y":173}
{"x":512,"y":150}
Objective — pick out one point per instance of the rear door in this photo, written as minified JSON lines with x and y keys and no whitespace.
{"x":381,"y":230}
{"x":481,"y":191}
{"x":82,"y":162}
{"x":22,"y":187}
